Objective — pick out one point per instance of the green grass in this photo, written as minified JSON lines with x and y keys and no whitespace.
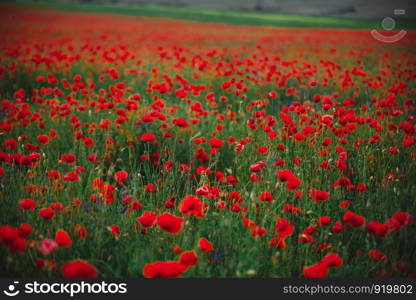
{"x":226,"y":17}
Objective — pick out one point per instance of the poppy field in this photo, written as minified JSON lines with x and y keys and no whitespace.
{"x":150,"y":147}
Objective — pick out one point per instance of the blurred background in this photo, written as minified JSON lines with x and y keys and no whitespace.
{"x":367,"y":9}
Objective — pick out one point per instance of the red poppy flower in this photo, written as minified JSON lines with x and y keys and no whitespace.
{"x":53,"y":175}
{"x":57,"y":206}
{"x":18,"y":245}
{"x":340,"y":164}
{"x":215,"y":143}
{"x":344,"y":204}
{"x":254,"y":177}
{"x":89,"y":142}
{"x":393,"y":150}
{"x":221,"y":205}
{"x":80,"y":231}
{"x":231,"y":180}
{"x":292,"y":183}
{"x":10,"y":144}
{"x":284,"y":175}
{"x":258,"y":231}
{"x":43,"y":139}
{"x":47,"y":246}
{"x":403,"y":218}
{"x":147,"y":219}
{"x":361,"y":187}
{"x":8,"y":234}
{"x":68,"y":158}
{"x":342,"y":181}
{"x":169,"y":222}
{"x":93,"y":158}
{"x":266,"y":196}
{"x":319,"y":270}
{"x":324,"y":221}
{"x":377,"y":255}
{"x":318,"y":196}
{"x":24,"y":230}
{"x":150,"y":187}
{"x":239,"y":147}
{"x":166,"y":269}
{"x":188,"y":258}
{"x":283,"y":227}
{"x":62,"y":238}
{"x":257,"y":166}
{"x":292,"y":209}
{"x":191,"y":205}
{"x":52,"y":133}
{"x":205,"y":245}
{"x":203,"y":190}
{"x":338,"y":227}
{"x":277,"y":242}
{"x":235,"y":197}
{"x":180,"y":122}
{"x":247,"y":223}
{"x":78,"y":269}
{"x":148,"y":137}
{"x":262,"y":150}
{"x":310,"y":229}
{"x":235,"y":208}
{"x":332,"y":260}
{"x":71,"y":176}
{"x":120,"y":176}
{"x":115,"y":230}
{"x":47,"y":213}
{"x":325,"y":165}
{"x":135,"y":205}
{"x":326,"y":142}
{"x":27,"y":204}
{"x":376,"y":228}
{"x":353,"y":220}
